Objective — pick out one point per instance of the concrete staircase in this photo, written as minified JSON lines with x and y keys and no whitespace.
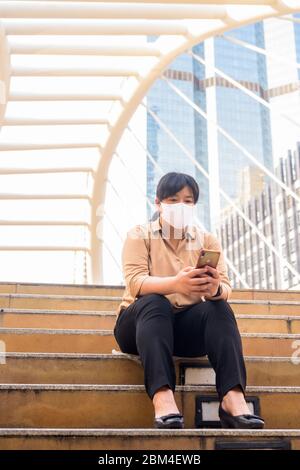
{"x":64,"y":385}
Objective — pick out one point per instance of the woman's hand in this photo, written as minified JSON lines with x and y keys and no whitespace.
{"x":214,"y":281}
{"x":202,"y":281}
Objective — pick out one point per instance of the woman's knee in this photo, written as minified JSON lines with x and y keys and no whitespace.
{"x":221,"y":310}
{"x":221,"y":305}
{"x":153,"y":306}
{"x":156,"y":299}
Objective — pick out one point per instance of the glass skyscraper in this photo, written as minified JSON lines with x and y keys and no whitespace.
{"x":246,"y":120}
{"x":187,"y":125}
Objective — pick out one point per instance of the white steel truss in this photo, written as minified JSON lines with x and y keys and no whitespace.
{"x":61,"y":29}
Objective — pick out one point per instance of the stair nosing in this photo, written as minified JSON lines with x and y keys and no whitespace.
{"x":58,"y":312}
{"x":149,"y":432}
{"x":104,"y":332}
{"x":120,"y":298}
{"x":140,"y":388}
{"x":54,"y":331}
{"x":119,"y":286}
{"x":59,"y":296}
{"x":99,"y":356}
{"x":47,"y":284}
{"x":107,"y":313}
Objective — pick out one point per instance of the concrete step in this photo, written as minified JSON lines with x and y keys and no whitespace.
{"x":125,"y":406}
{"x":146,"y":439}
{"x":266,"y":307}
{"x":70,"y":319}
{"x":111,"y":303}
{"x":93,"y":289}
{"x":60,"y":302}
{"x":268,"y":323}
{"x":66,"y":289}
{"x":59,"y":378}
{"x":103,"y":341}
{"x":263,"y":294}
{"x":55,"y":368}
{"x":103,"y":320}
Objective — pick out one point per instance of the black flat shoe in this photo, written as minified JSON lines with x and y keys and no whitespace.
{"x":170,"y":421}
{"x":246,"y":421}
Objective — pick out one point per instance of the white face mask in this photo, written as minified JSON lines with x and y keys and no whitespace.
{"x":179,"y":214}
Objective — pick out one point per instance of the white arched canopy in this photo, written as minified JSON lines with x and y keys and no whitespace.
{"x":103,"y":42}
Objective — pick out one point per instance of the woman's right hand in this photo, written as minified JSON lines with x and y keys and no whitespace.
{"x":187,"y":280}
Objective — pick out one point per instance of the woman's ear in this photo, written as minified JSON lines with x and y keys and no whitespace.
{"x":157,"y":204}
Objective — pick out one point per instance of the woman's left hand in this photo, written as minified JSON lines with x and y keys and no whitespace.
{"x":212,"y":282}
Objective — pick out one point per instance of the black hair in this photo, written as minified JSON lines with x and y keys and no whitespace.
{"x":172,"y":182}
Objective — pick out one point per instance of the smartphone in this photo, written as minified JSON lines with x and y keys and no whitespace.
{"x":210,"y":257}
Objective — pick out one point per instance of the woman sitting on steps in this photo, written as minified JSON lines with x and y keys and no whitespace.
{"x":170,"y":308}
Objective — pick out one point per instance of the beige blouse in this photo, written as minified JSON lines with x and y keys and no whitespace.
{"x":148,"y":252}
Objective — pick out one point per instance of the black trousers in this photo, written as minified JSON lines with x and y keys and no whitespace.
{"x":151,"y":329}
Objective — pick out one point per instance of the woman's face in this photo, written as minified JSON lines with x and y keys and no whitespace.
{"x":184,"y":195}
